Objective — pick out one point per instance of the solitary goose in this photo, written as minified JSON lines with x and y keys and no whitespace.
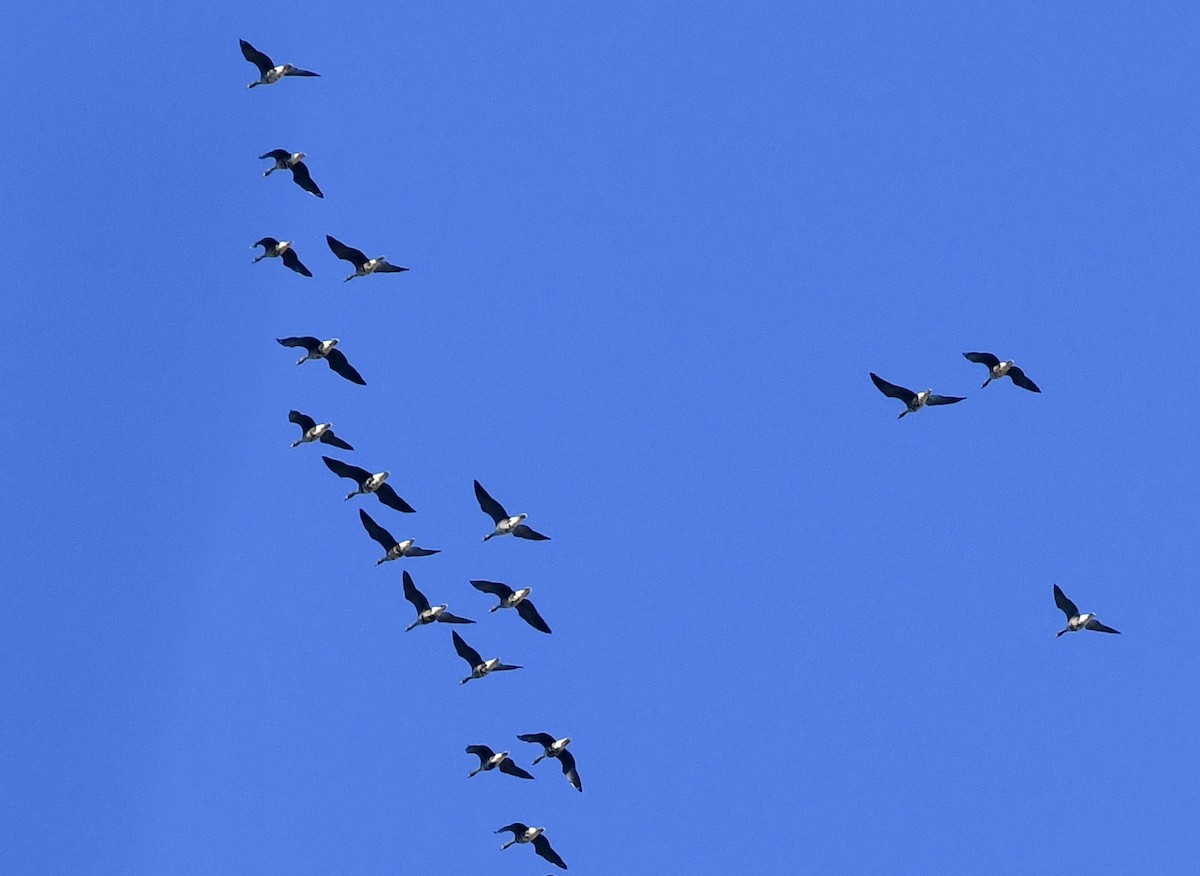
{"x":524,"y":834}
{"x":395,"y":549}
{"x":270,"y":73}
{"x":426,"y":613}
{"x":998,"y":369}
{"x":490,"y":760}
{"x":505,"y":525}
{"x":914,"y":401}
{"x":479,"y":666}
{"x":1075,"y":620}
{"x":518,"y":599}
{"x":274,"y":249}
{"x":311,"y":431}
{"x":368,"y":483}
{"x":556,"y":748}
{"x":293,"y":161}
{"x":318,"y":349}
{"x":358,"y":258}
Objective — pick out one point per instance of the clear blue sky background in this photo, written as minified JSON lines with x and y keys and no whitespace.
{"x":655,"y":250}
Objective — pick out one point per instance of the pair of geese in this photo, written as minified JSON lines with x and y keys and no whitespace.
{"x":551,"y":747}
{"x":285,"y":251}
{"x":914,"y":401}
{"x":509,"y":598}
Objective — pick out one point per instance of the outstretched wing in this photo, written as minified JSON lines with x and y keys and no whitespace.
{"x":987,"y":359}
{"x":255,"y":57}
{"x":420,"y":552}
{"x":302,"y":178}
{"x":516,"y":827}
{"x":376,"y":531}
{"x":466,"y":652}
{"x":329,"y":438}
{"x":1067,"y":606}
{"x":447,"y":618}
{"x":1094,"y":624}
{"x":293,"y":261}
{"x":568,"y":767}
{"x":543,"y":739}
{"x":541,"y":845}
{"x":480,"y":751}
{"x":413,"y":595}
{"x":304,"y":421}
{"x":493,"y":587}
{"x":307,"y":342}
{"x":346,"y":470}
{"x":891,"y":390}
{"x":388,"y":496}
{"x":266,"y":243}
{"x":340,"y":364}
{"x":504,"y":667}
{"x":355,"y":256}
{"x":277,"y":154}
{"x":944,"y":399}
{"x":386,"y":268}
{"x":507,"y":766}
{"x":526,"y":610}
{"x":523,"y":531}
{"x":1019,"y":378}
{"x":490,"y":506}
{"x":296,"y":71}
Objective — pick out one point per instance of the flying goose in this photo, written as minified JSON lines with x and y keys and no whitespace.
{"x":524,"y":834}
{"x":490,"y":760}
{"x":505,"y":525}
{"x":293,"y":161}
{"x":311,"y":430}
{"x":269,"y":72}
{"x":518,"y":599}
{"x":274,"y":249}
{"x":368,"y":483}
{"x":362,"y":265}
{"x":998,"y":369}
{"x":556,"y":748}
{"x":318,"y":349}
{"x":913,"y":401}
{"x":426,"y":613}
{"x":395,"y":549}
{"x":1075,"y":620}
{"x":479,"y":666}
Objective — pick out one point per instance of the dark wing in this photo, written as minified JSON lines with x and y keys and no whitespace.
{"x":891,"y":390}
{"x":355,"y":256}
{"x":504,"y":667}
{"x":302,"y":178}
{"x":983,"y":359}
{"x":447,"y":618}
{"x":277,"y":154}
{"x":516,"y":827}
{"x":507,"y":766}
{"x":543,"y":739}
{"x":329,"y":438}
{"x":296,"y":71}
{"x":266,"y":242}
{"x":304,"y":421}
{"x":306,"y":342}
{"x":466,"y":652}
{"x":490,"y":506}
{"x":495,"y":588}
{"x":943,"y":399}
{"x":413,"y":595}
{"x":293,"y":261}
{"x":388,"y":496}
{"x":415,"y":551}
{"x":339,"y":363}
{"x":386,"y":268}
{"x":568,"y":767}
{"x":480,"y":751}
{"x":1019,"y":378}
{"x":526,"y":610}
{"x":376,"y":531}
{"x":1094,"y":624}
{"x":255,"y":57}
{"x":346,"y":470}
{"x":523,"y":531}
{"x":541,"y":845}
{"x":1067,"y":606}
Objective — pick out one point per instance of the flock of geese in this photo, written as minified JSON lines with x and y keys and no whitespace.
{"x":376,"y":484}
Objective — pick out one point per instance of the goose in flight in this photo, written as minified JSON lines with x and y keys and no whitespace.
{"x":426,"y":613}
{"x":479,"y":666}
{"x":318,"y":349}
{"x":293,"y":161}
{"x":556,"y":748}
{"x":998,"y":369}
{"x":269,"y":72}
{"x":368,"y":483}
{"x":395,"y":549}
{"x":311,"y":430}
{"x":524,"y":834}
{"x":518,"y":599}
{"x":913,"y":401}
{"x":505,"y":525}
{"x":1075,"y":620}
{"x":491,"y":760}
{"x":275,"y":249}
{"x":362,"y":265}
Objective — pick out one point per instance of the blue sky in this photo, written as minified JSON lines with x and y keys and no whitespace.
{"x":654,"y":252}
